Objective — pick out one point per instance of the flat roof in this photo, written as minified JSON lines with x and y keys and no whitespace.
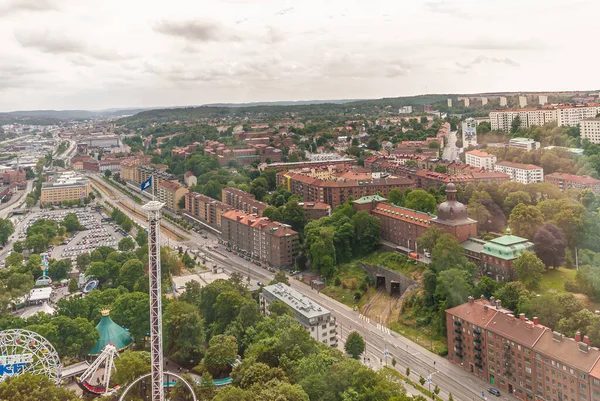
{"x":300,"y":303}
{"x":40,"y":294}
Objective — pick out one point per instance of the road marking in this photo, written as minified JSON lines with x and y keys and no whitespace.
{"x":383,"y":328}
{"x":363,"y":317}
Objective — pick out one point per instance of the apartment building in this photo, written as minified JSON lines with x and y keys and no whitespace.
{"x":590,"y":129}
{"x":269,"y":242}
{"x":242,"y":200}
{"x":129,"y":167}
{"x":469,"y":132}
{"x":315,"y":210}
{"x":565,"y":182}
{"x":564,"y":115}
{"x":203,"y":209}
{"x":156,"y":171}
{"x":520,"y":356}
{"x":170,"y":193}
{"x":339,"y":187}
{"x":527,"y":144}
{"x":524,"y":173}
{"x":426,"y":179}
{"x":313,"y":317}
{"x":66,"y":186}
{"x":9,"y":177}
{"x":477,"y":158}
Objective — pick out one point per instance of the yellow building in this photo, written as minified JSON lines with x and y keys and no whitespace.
{"x":170,"y":193}
{"x":67,"y":186}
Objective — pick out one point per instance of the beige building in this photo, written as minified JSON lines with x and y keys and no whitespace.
{"x":67,"y":186}
{"x":590,"y":129}
{"x":565,"y":115}
{"x":477,"y":158}
{"x":170,"y":193}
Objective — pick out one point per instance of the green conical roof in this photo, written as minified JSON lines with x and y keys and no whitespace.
{"x":110,"y":333}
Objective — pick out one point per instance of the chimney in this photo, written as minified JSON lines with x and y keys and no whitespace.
{"x":482,"y":297}
{"x":492,"y":300}
{"x":498,"y":304}
{"x":522,"y":316}
{"x":471,"y":299}
{"x":586,"y":340}
{"x":578,"y":337}
{"x":535,"y":320}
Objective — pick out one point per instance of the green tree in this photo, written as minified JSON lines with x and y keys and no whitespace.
{"x":280,"y":277}
{"x":355,"y":345}
{"x":280,"y":308}
{"x":421,"y":201}
{"x":430,"y":237}
{"x":71,"y":223}
{"x":15,"y":259}
{"x":447,"y":254}
{"x":6,"y":230}
{"x":525,"y":220}
{"x":486,"y":287}
{"x":59,"y":269}
{"x":83,"y":261}
{"x":127,"y":225}
{"x":453,"y":286}
{"x":396,"y":197}
{"x":30,"y":387}
{"x":510,"y":293}
{"x":273,"y":214}
{"x":514,"y":198}
{"x":130,"y":310}
{"x":367,"y":232}
{"x":130,"y":273}
{"x":141,"y":237}
{"x":293,"y":214}
{"x":130,"y":365}
{"x":184,"y":332}
{"x":107,"y":173}
{"x":73,"y":287}
{"x":18,"y":246}
{"x":70,"y":337}
{"x":515,"y":125}
{"x":529,"y":269}
{"x":220,"y":355}
{"x":126,"y":244}
{"x":37,"y":242}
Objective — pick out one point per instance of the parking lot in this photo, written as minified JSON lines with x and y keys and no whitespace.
{"x":97,"y":233}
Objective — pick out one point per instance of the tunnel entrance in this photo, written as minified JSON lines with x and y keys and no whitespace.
{"x":395,"y":291}
{"x":380,"y":282}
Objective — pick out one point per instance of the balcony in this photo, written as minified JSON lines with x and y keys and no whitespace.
{"x":457,"y":331}
{"x":478,"y":357}
{"x":477,"y":332}
{"x":458,"y":339}
{"x":477,"y":348}
{"x":459,"y":354}
{"x":477,"y":341}
{"x":457,"y":324}
{"x":459,"y":347}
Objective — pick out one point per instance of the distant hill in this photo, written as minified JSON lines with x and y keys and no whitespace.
{"x":51,"y":117}
{"x":281,"y":103}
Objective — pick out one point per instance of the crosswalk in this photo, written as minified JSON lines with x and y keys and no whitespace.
{"x":363,"y":317}
{"x":383,"y":328}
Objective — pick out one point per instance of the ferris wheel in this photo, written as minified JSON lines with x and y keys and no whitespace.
{"x":23,"y":351}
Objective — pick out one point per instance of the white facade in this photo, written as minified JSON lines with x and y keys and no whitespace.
{"x":524,"y":173}
{"x":480,"y":159}
{"x":503,"y":101}
{"x":405,"y":110}
{"x":524,"y":143}
{"x":522,"y":101}
{"x":484,"y":101}
{"x":449,"y":102}
{"x":542,"y":99}
{"x":469,"y":132}
{"x":563,"y":115}
{"x":590,"y":130}
{"x":313,"y":317}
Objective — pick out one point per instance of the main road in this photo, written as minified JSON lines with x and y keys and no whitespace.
{"x":422,"y":363}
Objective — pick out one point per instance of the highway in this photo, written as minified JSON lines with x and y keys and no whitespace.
{"x":449,"y":377}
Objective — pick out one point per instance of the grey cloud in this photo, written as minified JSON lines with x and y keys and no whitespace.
{"x":18,"y":75}
{"x":488,"y":60}
{"x":197,"y":31}
{"x":496,"y":44}
{"x":443,"y":7}
{"x":27,"y":5}
{"x":58,"y":43}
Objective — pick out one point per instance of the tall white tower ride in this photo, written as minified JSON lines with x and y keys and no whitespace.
{"x":153,"y":208}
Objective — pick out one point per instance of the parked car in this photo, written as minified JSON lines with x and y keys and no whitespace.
{"x":494,"y":391}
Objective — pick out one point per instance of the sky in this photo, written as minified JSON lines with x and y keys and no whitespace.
{"x":90,"y":54}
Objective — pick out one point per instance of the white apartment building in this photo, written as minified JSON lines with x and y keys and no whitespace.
{"x":527,"y":144}
{"x":477,"y":158}
{"x":316,"y":319}
{"x":522,"y":101}
{"x":469,"y":132}
{"x":405,"y":110}
{"x":567,"y":115}
{"x":524,"y":173}
{"x":590,"y":129}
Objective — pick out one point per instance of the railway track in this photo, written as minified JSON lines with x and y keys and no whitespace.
{"x":115,"y":197}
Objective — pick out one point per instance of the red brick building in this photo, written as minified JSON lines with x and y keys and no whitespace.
{"x":204,"y":209}
{"x":315,"y":210}
{"x":565,"y":182}
{"x":521,"y":356}
{"x":426,"y":179}
{"x":452,"y":217}
{"x":242,"y":200}
{"x":273,"y":243}
{"x":335,"y":190}
{"x":10,"y":177}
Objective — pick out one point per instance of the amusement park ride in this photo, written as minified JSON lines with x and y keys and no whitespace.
{"x":44,"y":280}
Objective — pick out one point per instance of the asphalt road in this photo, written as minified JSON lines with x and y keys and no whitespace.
{"x":451,"y":152}
{"x":449,"y":377}
{"x":16,"y":200}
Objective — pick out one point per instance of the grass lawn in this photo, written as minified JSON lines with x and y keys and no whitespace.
{"x":424,"y":336}
{"x":554,"y":280}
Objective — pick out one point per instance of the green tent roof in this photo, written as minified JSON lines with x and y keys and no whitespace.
{"x":110,"y":333}
{"x":369,"y":199}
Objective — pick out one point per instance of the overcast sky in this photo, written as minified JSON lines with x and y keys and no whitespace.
{"x":91,"y":54}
